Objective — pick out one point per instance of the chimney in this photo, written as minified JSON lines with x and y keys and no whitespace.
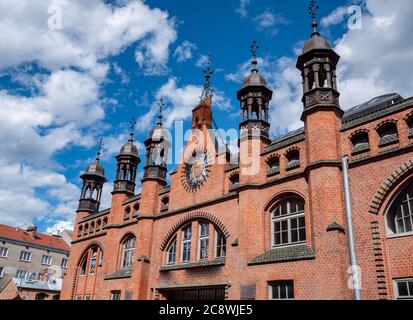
{"x":32,"y":231}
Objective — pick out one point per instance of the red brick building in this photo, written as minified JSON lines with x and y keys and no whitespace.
{"x":273,"y":225}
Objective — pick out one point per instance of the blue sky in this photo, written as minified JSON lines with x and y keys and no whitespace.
{"x":63,"y":87}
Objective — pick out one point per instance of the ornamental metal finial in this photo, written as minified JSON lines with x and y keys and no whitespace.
{"x":132,"y":128}
{"x":207,"y":91}
{"x":254,"y":48}
{"x":100,"y":145}
{"x":161,"y":104}
{"x":313,"y":13}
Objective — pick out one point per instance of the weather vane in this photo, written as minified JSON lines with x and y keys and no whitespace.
{"x":161,"y":104}
{"x":207,"y":91}
{"x":254,"y":48}
{"x":99,"y":149}
{"x":132,"y":128}
{"x":313,"y":13}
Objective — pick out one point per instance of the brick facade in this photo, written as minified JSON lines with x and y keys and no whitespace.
{"x":241,"y":212}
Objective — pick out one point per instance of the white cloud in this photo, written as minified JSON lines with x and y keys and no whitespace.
{"x":202,"y":61}
{"x":269,"y":21}
{"x":91,"y":31}
{"x":335,"y":17}
{"x":242,"y":8}
{"x":62,"y":104}
{"x":184,"y":51}
{"x":180,"y":100}
{"x":374,"y":60}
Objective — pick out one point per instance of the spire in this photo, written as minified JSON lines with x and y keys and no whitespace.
{"x":132,"y":128}
{"x":161,"y":104}
{"x":207,"y":90}
{"x":100,"y":145}
{"x":254,"y":48}
{"x":313,"y":13}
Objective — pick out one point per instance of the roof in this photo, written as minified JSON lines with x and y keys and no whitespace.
{"x":316,"y":42}
{"x":40,"y":239}
{"x":95,"y":168}
{"x":373,"y":105}
{"x":4,"y":281}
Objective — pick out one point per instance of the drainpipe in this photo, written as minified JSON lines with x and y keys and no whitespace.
{"x":351,"y":239}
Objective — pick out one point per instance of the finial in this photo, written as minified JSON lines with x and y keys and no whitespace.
{"x":254,"y":48}
{"x":313,"y":13}
{"x":207,"y":90}
{"x":132,"y":127}
{"x":100,"y":145}
{"x":161,"y":104}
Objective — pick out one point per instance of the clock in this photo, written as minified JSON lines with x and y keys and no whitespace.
{"x":196,"y":169}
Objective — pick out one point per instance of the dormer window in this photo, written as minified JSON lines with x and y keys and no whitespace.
{"x":360,"y":142}
{"x":388,"y":134}
{"x":234,"y":181}
{"x":293,"y":159}
{"x":273,"y":165}
{"x":165,"y":204}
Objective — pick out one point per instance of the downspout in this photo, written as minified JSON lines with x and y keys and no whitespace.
{"x":351,"y":240}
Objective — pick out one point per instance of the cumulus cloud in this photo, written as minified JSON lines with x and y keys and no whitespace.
{"x":59,"y":101}
{"x":335,"y":17}
{"x":374,"y":60}
{"x":180,"y":100}
{"x":269,"y":21}
{"x":184,"y":51}
{"x":242,"y":8}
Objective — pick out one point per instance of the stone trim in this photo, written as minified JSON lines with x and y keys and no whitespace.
{"x":219,"y":262}
{"x":284,"y":254}
{"x":192,"y":285}
{"x":276,"y":145}
{"x":120,"y":274}
{"x":193,"y":216}
{"x":336,"y":227}
{"x":378,"y":261}
{"x":388,"y":185}
{"x":96,"y":215}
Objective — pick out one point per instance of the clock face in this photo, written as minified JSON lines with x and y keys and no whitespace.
{"x":196,"y":170}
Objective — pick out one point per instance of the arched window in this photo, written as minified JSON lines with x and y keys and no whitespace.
{"x":234,"y":181}
{"x":360,"y":142}
{"x":80,"y":231}
{"x":165,"y":204}
{"x":186,"y":244}
{"x":88,"y":263}
{"x":400,"y":214}
{"x":388,"y":133}
{"x":128,"y":252}
{"x":135,"y":210}
{"x":288,"y":222}
{"x":171,"y":258}
{"x":273,"y":165}
{"x":126,"y":214}
{"x":92,"y":227}
{"x":293,"y":159}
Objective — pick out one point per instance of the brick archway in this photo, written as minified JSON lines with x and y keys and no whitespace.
{"x":388,"y":185}
{"x":193,"y":216}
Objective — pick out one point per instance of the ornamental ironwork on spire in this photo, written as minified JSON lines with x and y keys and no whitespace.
{"x":207,"y":91}
{"x":254,"y":48}
{"x":313,"y":13}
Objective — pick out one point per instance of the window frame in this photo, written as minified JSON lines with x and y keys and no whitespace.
{"x":117,"y":294}
{"x":279,"y":284}
{"x":187,"y":242}
{"x":173,"y":245}
{"x":64,"y":265}
{"x":128,"y":253}
{"x":396,"y":288}
{"x":203,"y":238}
{"x":47,"y":257}
{"x":397,"y":204}
{"x":20,"y":271}
{"x":288,"y":217}
{"x":1,"y":272}
{"x":223,"y":246}
{"x":23,"y":254}
{"x":4,"y":252}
